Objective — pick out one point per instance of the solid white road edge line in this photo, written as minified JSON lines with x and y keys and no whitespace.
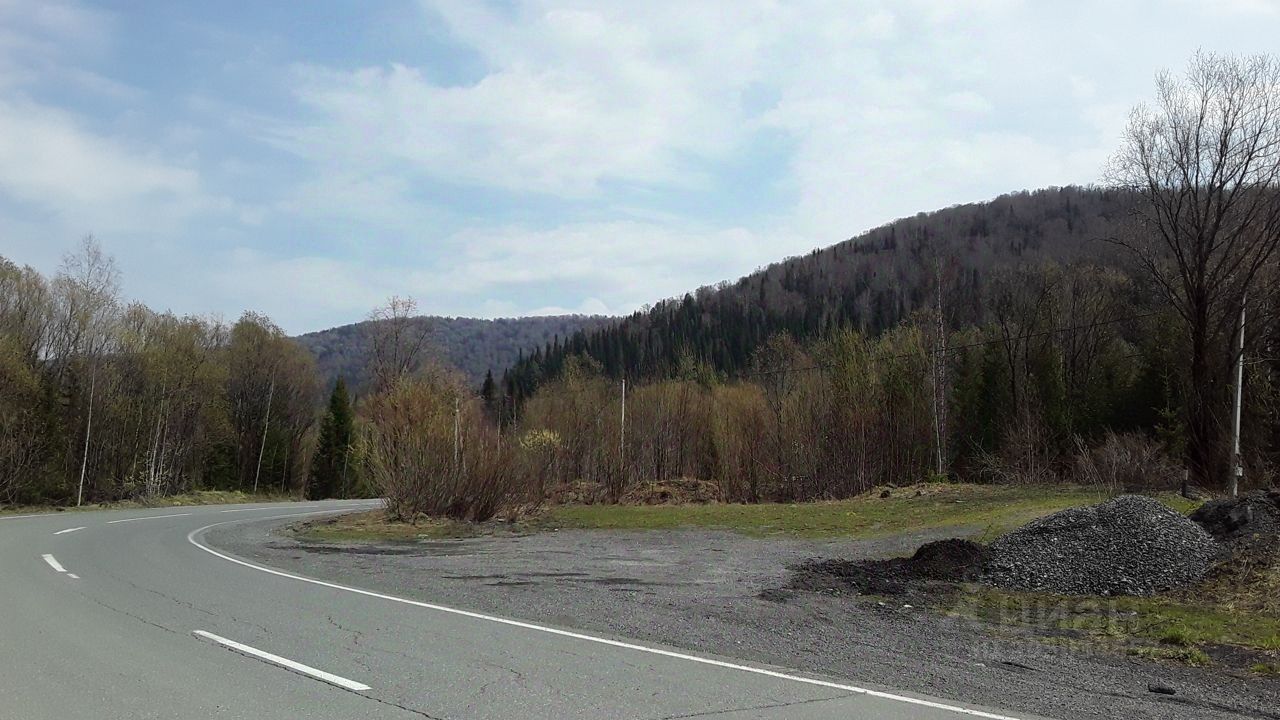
{"x":283,"y":662}
{"x":69,"y":530}
{"x":53,"y":563}
{"x":191,"y":538}
{"x":149,"y":517}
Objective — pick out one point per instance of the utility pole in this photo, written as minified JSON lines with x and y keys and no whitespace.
{"x":84,"y":462}
{"x":284,"y":473}
{"x":346,"y":453}
{"x":266,"y":423}
{"x":1238,"y":468}
{"x":457,"y":430}
{"x":939,"y":381}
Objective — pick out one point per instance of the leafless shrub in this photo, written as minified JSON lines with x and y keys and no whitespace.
{"x":431,"y":454}
{"x":1026,"y":457}
{"x":739,"y":427}
{"x":1125,"y":462}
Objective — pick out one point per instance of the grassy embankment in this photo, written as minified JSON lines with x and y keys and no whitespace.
{"x":995,"y":509}
{"x":982,"y":511}
{"x":198,"y":497}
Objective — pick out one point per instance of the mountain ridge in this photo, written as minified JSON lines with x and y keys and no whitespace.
{"x":473,"y":346}
{"x":871,"y":282}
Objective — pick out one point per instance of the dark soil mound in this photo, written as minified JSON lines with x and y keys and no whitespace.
{"x":1129,"y":545}
{"x":953,"y":560}
{"x":1257,"y":513}
{"x":949,"y":561}
{"x":676,"y":491}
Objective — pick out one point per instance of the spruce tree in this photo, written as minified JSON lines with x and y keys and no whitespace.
{"x":489,"y":395}
{"x":331,"y":471}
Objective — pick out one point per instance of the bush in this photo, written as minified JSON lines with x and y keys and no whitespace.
{"x":1125,"y":463}
{"x":429,"y":454}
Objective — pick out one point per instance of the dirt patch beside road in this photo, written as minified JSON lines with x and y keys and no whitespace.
{"x":701,"y":590}
{"x":946,"y":561}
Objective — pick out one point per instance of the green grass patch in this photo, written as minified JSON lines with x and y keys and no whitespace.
{"x":1180,"y":636}
{"x":996,"y":508}
{"x":1161,"y":627}
{"x":1190,"y":656}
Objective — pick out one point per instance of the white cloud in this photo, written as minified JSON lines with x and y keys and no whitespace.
{"x":38,"y":38}
{"x":590,"y":306}
{"x":55,"y":162}
{"x":572,"y":98}
{"x":48,"y":160}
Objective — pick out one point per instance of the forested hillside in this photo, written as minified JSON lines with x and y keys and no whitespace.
{"x":870,"y":283}
{"x":471,"y":345}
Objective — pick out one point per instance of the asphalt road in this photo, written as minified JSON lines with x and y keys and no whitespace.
{"x":130,"y":614}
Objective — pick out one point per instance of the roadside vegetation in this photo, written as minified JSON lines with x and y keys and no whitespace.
{"x":1198,"y":627}
{"x":375,"y":526}
{"x":197,"y":497}
{"x":981,"y":511}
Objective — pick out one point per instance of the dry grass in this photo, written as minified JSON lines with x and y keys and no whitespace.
{"x":995,"y":509}
{"x":375,"y":525}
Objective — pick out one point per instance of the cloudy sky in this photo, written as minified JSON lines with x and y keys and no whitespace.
{"x":309,"y":159}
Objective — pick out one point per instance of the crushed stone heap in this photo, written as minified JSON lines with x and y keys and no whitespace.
{"x":1129,"y":545}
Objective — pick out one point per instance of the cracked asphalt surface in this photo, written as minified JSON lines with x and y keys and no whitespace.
{"x":145,"y":620}
{"x":701,"y":591}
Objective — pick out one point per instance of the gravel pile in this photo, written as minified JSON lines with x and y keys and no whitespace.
{"x":1129,"y":545}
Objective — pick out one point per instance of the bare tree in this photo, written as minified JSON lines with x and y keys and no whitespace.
{"x":1020,"y":300}
{"x":1205,"y":161}
{"x":88,"y":287}
{"x":399,"y":340}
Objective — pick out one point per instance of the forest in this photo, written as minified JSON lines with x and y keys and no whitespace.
{"x":103,"y":400}
{"x":870,"y":283}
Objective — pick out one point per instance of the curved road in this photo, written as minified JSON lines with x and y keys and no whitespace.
{"x":129,"y":614}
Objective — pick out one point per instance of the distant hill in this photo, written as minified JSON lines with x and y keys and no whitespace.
{"x":471,"y":345}
{"x":871,"y":282}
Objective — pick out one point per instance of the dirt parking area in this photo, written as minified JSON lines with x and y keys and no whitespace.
{"x":725,"y":594}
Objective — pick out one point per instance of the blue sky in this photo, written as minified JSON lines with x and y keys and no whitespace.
{"x":307,"y":160}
